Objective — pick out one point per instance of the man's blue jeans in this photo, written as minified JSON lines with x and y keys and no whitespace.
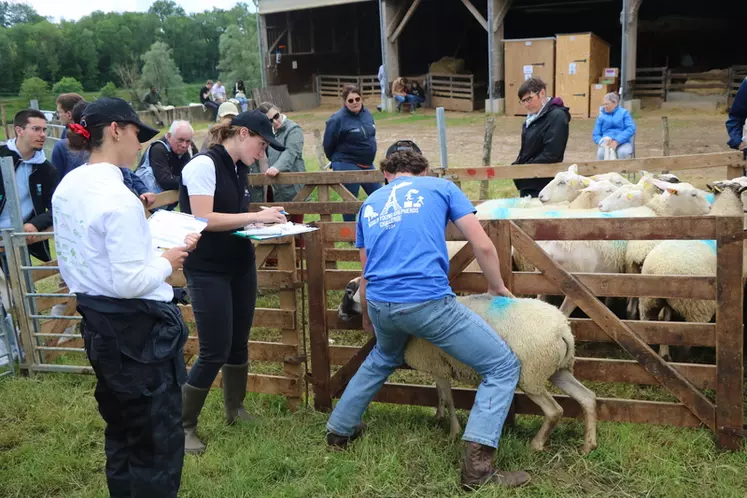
{"x":459,"y":332}
{"x":354,"y":188}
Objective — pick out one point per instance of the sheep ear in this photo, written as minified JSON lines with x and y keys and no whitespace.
{"x":672,"y":191}
{"x":742,"y":188}
{"x":714,"y":188}
{"x":586,"y":182}
{"x":630,"y":196}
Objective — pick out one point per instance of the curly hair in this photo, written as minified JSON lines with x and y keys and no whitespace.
{"x":404,"y":161}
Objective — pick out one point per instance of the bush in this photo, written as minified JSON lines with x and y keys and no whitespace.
{"x":109,"y":90}
{"x":67,"y":85}
{"x":33,"y":88}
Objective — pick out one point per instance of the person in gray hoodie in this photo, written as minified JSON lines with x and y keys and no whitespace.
{"x":290,"y":135}
{"x":36,"y":179}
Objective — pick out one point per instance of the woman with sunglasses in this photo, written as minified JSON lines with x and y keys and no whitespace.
{"x":350,"y":140}
{"x":290,"y":135}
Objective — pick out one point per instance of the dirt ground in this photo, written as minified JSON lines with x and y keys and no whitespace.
{"x":690,"y":133}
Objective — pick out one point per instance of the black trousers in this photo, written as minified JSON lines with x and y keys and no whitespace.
{"x":223,"y":305}
{"x":142,"y":406}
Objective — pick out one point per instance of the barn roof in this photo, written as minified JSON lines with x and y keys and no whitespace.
{"x":272,"y":6}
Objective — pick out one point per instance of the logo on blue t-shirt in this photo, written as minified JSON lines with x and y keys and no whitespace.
{"x":392,"y":211}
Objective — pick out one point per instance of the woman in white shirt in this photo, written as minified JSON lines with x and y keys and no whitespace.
{"x":221,"y":272}
{"x":133,"y":332}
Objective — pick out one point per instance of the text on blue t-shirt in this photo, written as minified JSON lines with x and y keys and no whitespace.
{"x":402,"y":227}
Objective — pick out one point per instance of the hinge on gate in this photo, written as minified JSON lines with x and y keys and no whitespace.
{"x":294,"y":360}
{"x":317,"y":383}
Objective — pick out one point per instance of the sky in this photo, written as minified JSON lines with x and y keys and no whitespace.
{"x":75,"y":9}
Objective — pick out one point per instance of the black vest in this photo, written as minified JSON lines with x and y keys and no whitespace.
{"x":222,"y":252}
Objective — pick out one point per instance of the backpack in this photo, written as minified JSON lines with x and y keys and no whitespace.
{"x":144,"y":171}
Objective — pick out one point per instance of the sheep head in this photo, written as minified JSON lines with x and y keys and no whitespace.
{"x":682,"y":199}
{"x":592,"y":195}
{"x":564,"y":187}
{"x":350,"y":306}
{"x":615,"y":178}
{"x":627,"y":196}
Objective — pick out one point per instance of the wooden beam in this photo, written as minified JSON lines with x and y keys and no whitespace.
{"x":500,"y":16}
{"x":729,"y":339}
{"x":404,"y":21}
{"x":341,"y":378}
{"x":345,"y":194}
{"x":318,"y":332}
{"x":476,"y":13}
{"x":670,"y":378}
{"x":392,"y":26}
{"x":635,"y":6}
{"x":277,"y":40}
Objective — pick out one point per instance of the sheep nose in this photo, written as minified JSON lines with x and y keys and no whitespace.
{"x":543,"y":199}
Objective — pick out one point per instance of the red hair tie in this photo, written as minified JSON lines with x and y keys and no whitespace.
{"x":79,"y":130}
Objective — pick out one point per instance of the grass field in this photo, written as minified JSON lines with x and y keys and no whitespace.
{"x":51,"y":436}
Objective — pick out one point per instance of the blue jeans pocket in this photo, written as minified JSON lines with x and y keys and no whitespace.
{"x":409,"y":310}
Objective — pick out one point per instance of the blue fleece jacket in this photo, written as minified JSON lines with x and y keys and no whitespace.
{"x":737,"y":117}
{"x":618,"y":125}
{"x":350,"y":138}
{"x":66,"y":160}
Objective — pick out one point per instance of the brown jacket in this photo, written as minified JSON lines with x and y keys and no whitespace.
{"x":398,"y":87}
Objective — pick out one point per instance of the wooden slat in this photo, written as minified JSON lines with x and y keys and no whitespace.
{"x":341,"y":378}
{"x":660,"y":228}
{"x":333,"y":207}
{"x":670,"y":378}
{"x":45,"y":303}
{"x":345,"y":194}
{"x":601,"y":284}
{"x":729,"y":338}
{"x":460,"y":261}
{"x":263,"y":317}
{"x":290,"y":333}
{"x":267,"y":279}
{"x":272,"y":384}
{"x":584,"y":329}
{"x":319,"y":339}
{"x":37,"y":275}
{"x":616,"y":410}
{"x":342,"y":254}
{"x":258,"y":350}
{"x":318,"y":178}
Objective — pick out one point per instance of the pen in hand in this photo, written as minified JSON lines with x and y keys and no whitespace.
{"x":281,"y":212}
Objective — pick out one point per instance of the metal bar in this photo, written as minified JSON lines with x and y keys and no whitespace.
{"x":47,"y":294}
{"x":491,"y":62}
{"x":62,"y":369}
{"x":63,"y":349}
{"x":49,"y":334}
{"x":624,"y":91}
{"x":36,"y":268}
{"x":55,"y":317}
{"x":441,"y":123}
{"x":384,"y":41}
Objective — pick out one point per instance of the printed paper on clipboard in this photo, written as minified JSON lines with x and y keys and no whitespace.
{"x":169,"y":228}
{"x":256,"y":232}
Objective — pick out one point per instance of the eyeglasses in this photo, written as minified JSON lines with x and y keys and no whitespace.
{"x":356,"y":99}
{"x":275,"y":117}
{"x":36,"y":129}
{"x":528,"y":99}
{"x":183,"y":140}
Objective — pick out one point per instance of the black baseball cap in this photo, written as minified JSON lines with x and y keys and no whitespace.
{"x":105,"y":110}
{"x":257,"y":122}
{"x":402,"y":145}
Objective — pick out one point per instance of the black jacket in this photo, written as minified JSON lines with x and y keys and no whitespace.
{"x":222,"y":252}
{"x":42,"y":184}
{"x":167,"y":166}
{"x":350,"y":138}
{"x":544,"y":141}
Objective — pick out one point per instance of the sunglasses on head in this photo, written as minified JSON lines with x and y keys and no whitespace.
{"x":356,"y":99}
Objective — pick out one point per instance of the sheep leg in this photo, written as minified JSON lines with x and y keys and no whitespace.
{"x":441,"y":404}
{"x":443,"y":385}
{"x":633,"y":313}
{"x":552,"y":411}
{"x":568,"y":306}
{"x":650,"y":309}
{"x":565,"y":381}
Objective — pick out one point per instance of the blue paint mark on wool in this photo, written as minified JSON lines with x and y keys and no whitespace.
{"x":500,"y":304}
{"x":552,"y":214}
{"x":710,"y":243}
{"x":711,"y":198}
{"x":500,"y":213}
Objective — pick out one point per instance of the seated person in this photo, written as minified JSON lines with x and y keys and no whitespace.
{"x":614,"y":129}
{"x":206,"y":98}
{"x":161,"y":165}
{"x":416,"y":93}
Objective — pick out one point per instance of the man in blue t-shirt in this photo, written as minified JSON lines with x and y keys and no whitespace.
{"x":402,"y":242}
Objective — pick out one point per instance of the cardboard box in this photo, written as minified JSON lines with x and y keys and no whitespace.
{"x":580,"y":61}
{"x":611,"y":72}
{"x":596,"y":95}
{"x":609,"y":81}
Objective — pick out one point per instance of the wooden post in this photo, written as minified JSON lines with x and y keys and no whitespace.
{"x":319,"y":340}
{"x":323,"y":196}
{"x":5,"y":122}
{"x":288,"y":301}
{"x":665,"y":135}
{"x":729,"y":337}
{"x":319,"y":149}
{"x":487,"y":147}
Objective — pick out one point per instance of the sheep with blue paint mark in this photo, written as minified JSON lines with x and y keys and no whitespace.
{"x":538,"y":334}
{"x":689,"y":257}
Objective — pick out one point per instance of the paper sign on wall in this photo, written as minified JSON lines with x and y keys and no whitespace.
{"x":528,"y":43}
{"x":295,"y":64}
{"x":572,"y":68}
{"x":528,"y":69}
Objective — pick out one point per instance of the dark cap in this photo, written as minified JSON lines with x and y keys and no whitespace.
{"x":257,"y":122}
{"x":106,"y":110}
{"x":402,"y":145}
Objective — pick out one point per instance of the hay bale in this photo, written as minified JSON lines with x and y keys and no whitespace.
{"x":448,"y":65}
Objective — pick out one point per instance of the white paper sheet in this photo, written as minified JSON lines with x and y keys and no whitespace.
{"x":169,"y":228}
{"x":272,"y":231}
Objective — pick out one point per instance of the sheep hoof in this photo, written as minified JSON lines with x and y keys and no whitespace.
{"x":536,"y":445}
{"x":588,"y":448}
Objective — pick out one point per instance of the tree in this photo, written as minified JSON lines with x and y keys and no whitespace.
{"x":129,"y":76}
{"x":67,"y":85}
{"x":12,"y":13}
{"x":166,"y":8}
{"x":239,"y":56}
{"x":33,"y":88}
{"x":109,"y":90}
{"x":160,"y":71}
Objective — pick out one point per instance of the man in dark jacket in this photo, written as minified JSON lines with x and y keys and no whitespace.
{"x":735,"y":125}
{"x":36,"y":179}
{"x":161,"y":165}
{"x":544,"y":134}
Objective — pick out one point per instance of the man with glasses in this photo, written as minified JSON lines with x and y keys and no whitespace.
{"x":36,"y":179}
{"x":161,"y":165}
{"x":544,"y":134}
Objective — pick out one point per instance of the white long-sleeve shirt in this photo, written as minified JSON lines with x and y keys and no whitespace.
{"x":102,"y":238}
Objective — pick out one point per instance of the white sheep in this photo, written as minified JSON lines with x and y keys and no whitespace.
{"x":565,"y":186}
{"x":689,"y":257}
{"x":541,"y":338}
{"x":615,"y":178}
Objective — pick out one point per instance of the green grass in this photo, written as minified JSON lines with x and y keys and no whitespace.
{"x":51,"y":445}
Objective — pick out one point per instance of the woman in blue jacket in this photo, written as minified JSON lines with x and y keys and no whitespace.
{"x":350,"y":140}
{"x":614,"y":129}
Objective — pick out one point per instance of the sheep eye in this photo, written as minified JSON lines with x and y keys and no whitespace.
{"x":561,"y":183}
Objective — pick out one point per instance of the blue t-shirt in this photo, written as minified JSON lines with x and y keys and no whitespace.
{"x":402,"y":226}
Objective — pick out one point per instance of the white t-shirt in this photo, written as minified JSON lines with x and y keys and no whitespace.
{"x":199,"y":176}
{"x":102,"y":238}
{"x":218,"y":91}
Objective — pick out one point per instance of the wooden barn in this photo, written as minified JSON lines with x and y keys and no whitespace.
{"x":473,"y":54}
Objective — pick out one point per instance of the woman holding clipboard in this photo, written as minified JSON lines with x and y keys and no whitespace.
{"x":221,"y":272}
{"x":133,"y":332}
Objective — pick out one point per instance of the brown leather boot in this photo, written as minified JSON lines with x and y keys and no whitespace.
{"x":477,"y":469}
{"x":338,"y":442}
